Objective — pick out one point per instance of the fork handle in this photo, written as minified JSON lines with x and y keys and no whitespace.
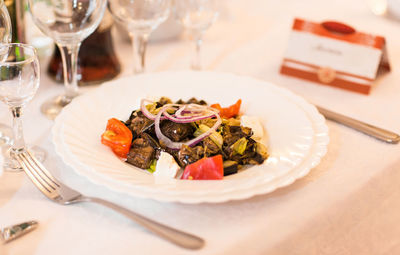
{"x":175,"y":236}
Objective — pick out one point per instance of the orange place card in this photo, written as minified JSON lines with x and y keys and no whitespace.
{"x":335,"y":54}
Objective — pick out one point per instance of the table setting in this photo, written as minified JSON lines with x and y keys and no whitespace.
{"x":313,"y":170}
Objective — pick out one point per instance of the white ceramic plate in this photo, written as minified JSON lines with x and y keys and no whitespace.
{"x":297,"y":136}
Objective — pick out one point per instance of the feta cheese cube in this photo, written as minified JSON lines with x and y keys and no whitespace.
{"x":166,"y":166}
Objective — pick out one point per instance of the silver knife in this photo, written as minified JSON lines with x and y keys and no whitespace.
{"x":10,"y":233}
{"x":379,"y":133}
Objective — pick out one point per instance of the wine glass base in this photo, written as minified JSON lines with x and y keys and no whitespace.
{"x":54,"y":106}
{"x":12,"y":165}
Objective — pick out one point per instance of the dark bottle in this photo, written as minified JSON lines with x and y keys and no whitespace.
{"x":97,"y":61}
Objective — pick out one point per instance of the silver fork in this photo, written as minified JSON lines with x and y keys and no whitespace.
{"x":62,"y":194}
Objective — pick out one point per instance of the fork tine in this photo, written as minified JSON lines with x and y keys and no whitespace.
{"x":43,"y":171}
{"x":28,"y":170}
{"x":36,"y":171}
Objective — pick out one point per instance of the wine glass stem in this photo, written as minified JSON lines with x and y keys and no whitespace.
{"x":18,"y":143}
{"x":69,"y":56}
{"x":198,"y":40}
{"x":139,"y":43}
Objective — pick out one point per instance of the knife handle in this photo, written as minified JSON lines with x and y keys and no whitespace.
{"x":10,"y":233}
{"x":379,"y":133}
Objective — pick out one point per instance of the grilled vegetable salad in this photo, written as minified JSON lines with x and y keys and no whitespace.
{"x":208,"y":142}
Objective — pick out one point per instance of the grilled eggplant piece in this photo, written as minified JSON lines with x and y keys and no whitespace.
{"x":193,"y":100}
{"x":151,"y":141}
{"x":231,"y":135}
{"x":139,"y":123}
{"x":164,"y":101}
{"x":176,"y":131}
{"x":240,"y":131}
{"x":141,"y":153}
{"x":230,"y":167}
{"x":188,"y":155}
{"x":133,"y":115}
{"x":234,"y":133}
{"x":255,"y":154}
{"x":210,"y":148}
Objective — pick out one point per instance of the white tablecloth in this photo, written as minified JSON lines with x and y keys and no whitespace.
{"x":348,"y":204}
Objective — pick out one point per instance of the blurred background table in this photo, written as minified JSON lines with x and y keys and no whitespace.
{"x":348,"y":204}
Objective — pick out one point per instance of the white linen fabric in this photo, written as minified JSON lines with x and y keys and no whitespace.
{"x":1,"y":163}
{"x":348,"y":204}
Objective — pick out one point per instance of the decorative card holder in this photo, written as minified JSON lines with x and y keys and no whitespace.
{"x":335,"y":54}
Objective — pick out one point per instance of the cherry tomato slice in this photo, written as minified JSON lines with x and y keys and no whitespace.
{"x":205,"y":169}
{"x":230,"y":111}
{"x":118,"y":137}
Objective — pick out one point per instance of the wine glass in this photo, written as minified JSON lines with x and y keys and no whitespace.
{"x":6,"y":132}
{"x":196,"y":16}
{"x":68,"y":23}
{"x":140,"y":18}
{"x":19,"y":81}
{"x":5,"y":24}
{"x":5,"y":37}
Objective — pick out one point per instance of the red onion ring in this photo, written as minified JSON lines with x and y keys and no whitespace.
{"x":146,"y":112}
{"x":187,"y":120}
{"x":181,"y":110}
{"x":177,"y":145}
{"x":195,"y":112}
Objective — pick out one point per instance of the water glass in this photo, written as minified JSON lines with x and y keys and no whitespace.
{"x":196,"y":16}
{"x":140,"y":18}
{"x":19,"y":81}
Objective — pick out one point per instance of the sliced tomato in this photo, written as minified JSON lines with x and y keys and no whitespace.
{"x":230,"y":111}
{"x":118,"y":137}
{"x":205,"y":169}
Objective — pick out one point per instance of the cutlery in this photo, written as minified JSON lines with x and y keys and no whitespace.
{"x":62,"y":194}
{"x":8,"y":234}
{"x":379,"y":133}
